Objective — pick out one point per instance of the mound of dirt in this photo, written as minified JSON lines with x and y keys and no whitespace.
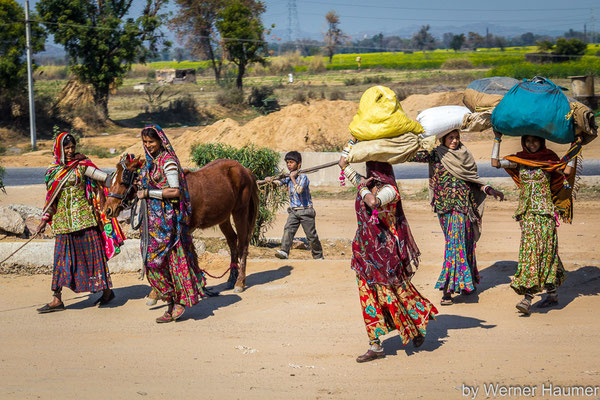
{"x":319,"y":126}
{"x":416,"y":103}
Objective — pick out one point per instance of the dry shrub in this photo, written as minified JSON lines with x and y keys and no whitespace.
{"x":337,"y":95}
{"x":52,"y":72}
{"x":299,"y":97}
{"x":230,"y":97}
{"x":401,"y":93}
{"x":457,"y":63}
{"x":258,"y":69}
{"x":285,"y":63}
{"x":76,"y":100}
{"x":139,"y":71}
{"x":316,"y":64}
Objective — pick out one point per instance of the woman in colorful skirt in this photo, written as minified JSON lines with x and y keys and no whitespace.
{"x":383,"y":255}
{"x":457,"y":196}
{"x":171,"y":263}
{"x":545,"y":184}
{"x":85,"y":238}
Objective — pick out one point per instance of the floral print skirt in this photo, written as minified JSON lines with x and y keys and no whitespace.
{"x":459,"y":270}
{"x":178,"y":278}
{"x":539,"y":264}
{"x":399,"y":308}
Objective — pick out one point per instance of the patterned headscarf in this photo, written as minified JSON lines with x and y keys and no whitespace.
{"x":57,"y":172}
{"x":56,"y":176}
{"x":561,"y":186}
{"x":185,"y":208}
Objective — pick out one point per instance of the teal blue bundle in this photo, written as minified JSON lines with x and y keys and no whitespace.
{"x":535,"y":107}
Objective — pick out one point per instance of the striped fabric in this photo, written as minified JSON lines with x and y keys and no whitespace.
{"x":79,"y":262}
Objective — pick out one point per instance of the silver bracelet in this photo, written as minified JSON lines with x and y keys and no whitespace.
{"x":155,"y":194}
{"x":364,"y":192}
{"x":496,"y":150}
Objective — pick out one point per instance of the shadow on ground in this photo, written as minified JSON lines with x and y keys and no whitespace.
{"x":259,"y":278}
{"x":584,"y":281}
{"x":437,"y":333}
{"x":122,"y":295}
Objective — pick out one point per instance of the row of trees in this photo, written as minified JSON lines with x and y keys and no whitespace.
{"x":102,"y":40}
{"x":422,"y":40}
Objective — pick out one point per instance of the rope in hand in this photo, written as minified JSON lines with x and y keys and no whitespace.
{"x":23,"y":245}
{"x":302,"y":171}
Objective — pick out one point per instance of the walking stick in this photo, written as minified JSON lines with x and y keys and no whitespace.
{"x":23,"y":245}
{"x":303,"y":171}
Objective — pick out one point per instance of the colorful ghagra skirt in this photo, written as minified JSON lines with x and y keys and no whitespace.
{"x":179,"y":278}
{"x":400,"y":308}
{"x":539,"y":265}
{"x":79,"y":262}
{"x":459,"y":270}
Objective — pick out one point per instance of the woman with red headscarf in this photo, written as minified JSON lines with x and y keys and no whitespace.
{"x":384,"y":257}
{"x":545,"y":182}
{"x":170,"y":260}
{"x":85,"y":238}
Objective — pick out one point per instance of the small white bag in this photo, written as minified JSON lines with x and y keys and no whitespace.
{"x":438,"y":121}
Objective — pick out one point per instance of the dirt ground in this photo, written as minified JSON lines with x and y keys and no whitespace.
{"x":296,"y":330}
{"x":319,"y":125}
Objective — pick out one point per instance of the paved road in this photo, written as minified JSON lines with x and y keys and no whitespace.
{"x":32,"y":176}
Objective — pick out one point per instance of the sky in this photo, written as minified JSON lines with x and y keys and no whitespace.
{"x":360,"y":18}
{"x":388,"y":16}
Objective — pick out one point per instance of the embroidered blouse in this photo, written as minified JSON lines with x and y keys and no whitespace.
{"x":73,"y":210}
{"x":449,"y":193}
{"x":535,"y":196}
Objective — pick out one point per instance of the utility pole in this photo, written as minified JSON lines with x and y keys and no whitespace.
{"x":30,"y":78}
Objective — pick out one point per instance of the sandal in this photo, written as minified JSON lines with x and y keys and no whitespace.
{"x":48,"y":308}
{"x":418,"y":340}
{"x":102,"y":300}
{"x":177,"y":312}
{"x":166,"y":317}
{"x":370,"y":355}
{"x":524,"y":305}
{"x":446,"y":301}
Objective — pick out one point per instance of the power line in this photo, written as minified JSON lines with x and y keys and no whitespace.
{"x":424,"y":20}
{"x":478,"y":9}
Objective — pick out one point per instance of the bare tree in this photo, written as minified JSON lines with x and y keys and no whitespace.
{"x":334,"y":35}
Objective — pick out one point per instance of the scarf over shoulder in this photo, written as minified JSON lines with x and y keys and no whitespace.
{"x":461,"y":164}
{"x":56,"y":176}
{"x":547,"y":160}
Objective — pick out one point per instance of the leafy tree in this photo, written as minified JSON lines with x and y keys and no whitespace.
{"x":194,"y":25}
{"x":570,"y":47}
{"x":422,"y":40}
{"x":334,"y":35}
{"x":500,"y":42}
{"x":457,"y":42}
{"x":102,"y":40}
{"x":527,"y":39}
{"x":475,"y":40}
{"x":178,"y":54}
{"x":572,"y":34}
{"x":544,"y":45}
{"x":13,"y":66}
{"x":242,"y":35}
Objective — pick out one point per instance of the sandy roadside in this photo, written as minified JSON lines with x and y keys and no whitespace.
{"x":294,"y":333}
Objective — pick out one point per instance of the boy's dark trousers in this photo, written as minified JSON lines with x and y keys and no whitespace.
{"x":304,"y":216}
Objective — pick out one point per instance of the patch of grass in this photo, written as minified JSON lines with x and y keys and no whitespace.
{"x":100,"y":152}
{"x":587,"y":65}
